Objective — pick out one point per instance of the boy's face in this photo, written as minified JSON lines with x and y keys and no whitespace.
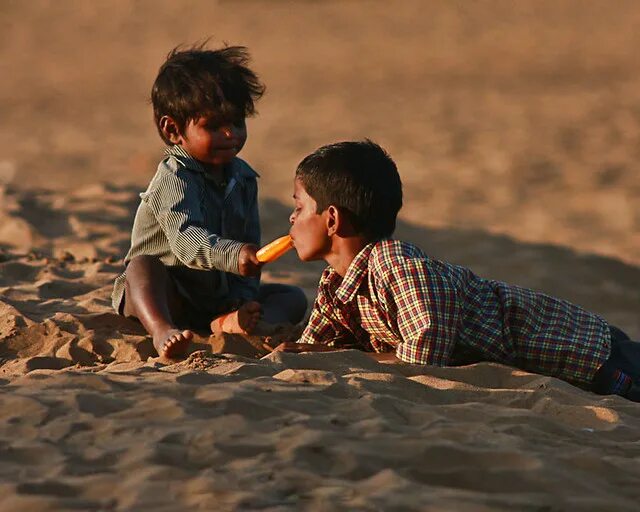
{"x":308,"y":228}
{"x":213,"y":141}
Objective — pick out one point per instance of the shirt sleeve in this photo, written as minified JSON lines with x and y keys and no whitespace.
{"x":423,"y":303}
{"x":323,"y":330}
{"x":247,"y":287}
{"x":175,"y":202}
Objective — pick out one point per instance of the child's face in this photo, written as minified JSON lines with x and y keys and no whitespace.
{"x":308,"y":228}
{"x":212,"y":141}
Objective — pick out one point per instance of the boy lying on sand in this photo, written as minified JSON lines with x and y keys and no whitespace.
{"x":192,"y":260}
{"x":381,"y":294}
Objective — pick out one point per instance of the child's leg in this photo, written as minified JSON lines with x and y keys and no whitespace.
{"x":276,"y":304}
{"x":282,"y":303}
{"x":241,"y":321}
{"x":620,"y":374}
{"x":152,"y":298}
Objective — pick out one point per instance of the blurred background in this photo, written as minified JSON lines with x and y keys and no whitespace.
{"x":512,"y":121}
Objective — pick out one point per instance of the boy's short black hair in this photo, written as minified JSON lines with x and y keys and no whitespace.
{"x":195,"y":82}
{"x":359,"y":178}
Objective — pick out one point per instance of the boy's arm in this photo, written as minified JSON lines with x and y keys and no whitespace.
{"x":384,"y":357}
{"x":322,"y":334}
{"x":292,"y":346}
{"x":424,"y":305}
{"x":247,"y":287}
{"x":175,"y":201}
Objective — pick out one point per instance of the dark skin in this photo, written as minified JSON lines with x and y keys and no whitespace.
{"x":298,"y":348}
{"x":328,"y":235}
{"x":150,"y":294}
{"x":151,"y":297}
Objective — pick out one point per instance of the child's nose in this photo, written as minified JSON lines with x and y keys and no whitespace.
{"x":291,"y":218}
{"x":230,"y":131}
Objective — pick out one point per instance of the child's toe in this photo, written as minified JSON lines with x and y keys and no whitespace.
{"x":176,"y":344}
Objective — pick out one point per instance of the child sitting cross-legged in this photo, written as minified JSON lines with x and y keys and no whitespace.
{"x":383,"y":295}
{"x":192,"y":261}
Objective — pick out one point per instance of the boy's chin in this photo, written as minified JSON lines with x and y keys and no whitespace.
{"x":307,"y":257}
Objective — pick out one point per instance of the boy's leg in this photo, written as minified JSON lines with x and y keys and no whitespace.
{"x":241,"y":321}
{"x":628,"y":362}
{"x":620,"y":374}
{"x":282,"y":303}
{"x":152,"y":298}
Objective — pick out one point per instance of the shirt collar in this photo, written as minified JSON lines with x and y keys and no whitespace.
{"x":355,"y":275}
{"x":238,"y":167}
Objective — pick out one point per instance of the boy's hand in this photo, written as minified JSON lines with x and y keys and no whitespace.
{"x":248,"y":264}
{"x":283,"y":334}
{"x":292,"y":346}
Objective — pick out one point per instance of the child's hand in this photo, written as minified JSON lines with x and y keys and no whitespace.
{"x":248,"y":264}
{"x":292,"y":346}
{"x":284,"y":333}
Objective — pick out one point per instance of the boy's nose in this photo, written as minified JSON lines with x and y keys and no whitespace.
{"x":291,"y":218}
{"x":232,"y":130}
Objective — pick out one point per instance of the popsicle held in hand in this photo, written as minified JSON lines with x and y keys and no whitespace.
{"x":272,"y":251}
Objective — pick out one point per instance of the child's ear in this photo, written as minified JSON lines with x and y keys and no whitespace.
{"x":339,"y":222}
{"x":170,"y":130}
{"x":333,"y":220}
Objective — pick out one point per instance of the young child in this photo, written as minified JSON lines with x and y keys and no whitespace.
{"x":192,"y":260}
{"x":381,"y":294}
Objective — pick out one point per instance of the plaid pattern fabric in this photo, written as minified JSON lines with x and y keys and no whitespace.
{"x":394,"y":297}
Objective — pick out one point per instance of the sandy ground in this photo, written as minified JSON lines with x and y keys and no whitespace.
{"x":516,"y":128}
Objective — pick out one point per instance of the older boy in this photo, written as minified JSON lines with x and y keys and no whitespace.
{"x":380,"y":294}
{"x":192,"y":259}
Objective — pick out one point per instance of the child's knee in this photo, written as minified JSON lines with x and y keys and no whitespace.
{"x":290,"y":300}
{"x":299,"y":303}
{"x":142,"y":263}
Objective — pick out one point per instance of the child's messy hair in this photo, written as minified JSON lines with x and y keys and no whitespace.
{"x":194,"y":82}
{"x":360,"y":179}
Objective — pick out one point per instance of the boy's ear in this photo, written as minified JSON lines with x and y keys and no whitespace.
{"x":170,"y":130}
{"x":333,"y":220}
{"x":338,"y":222}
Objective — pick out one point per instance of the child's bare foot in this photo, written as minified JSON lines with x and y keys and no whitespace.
{"x":242,"y":321}
{"x":172,"y":343}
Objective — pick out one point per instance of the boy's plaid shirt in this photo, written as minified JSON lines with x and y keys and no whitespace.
{"x":395,"y":297}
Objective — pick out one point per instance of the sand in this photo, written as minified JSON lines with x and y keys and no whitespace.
{"x":516,"y":129}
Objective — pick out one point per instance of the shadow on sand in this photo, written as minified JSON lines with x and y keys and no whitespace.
{"x":103,"y":216}
{"x":603,"y":285}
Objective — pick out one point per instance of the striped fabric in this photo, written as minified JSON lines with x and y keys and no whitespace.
{"x":394,"y":297}
{"x":197,"y":228}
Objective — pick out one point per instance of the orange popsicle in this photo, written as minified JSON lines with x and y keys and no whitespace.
{"x":272,"y":251}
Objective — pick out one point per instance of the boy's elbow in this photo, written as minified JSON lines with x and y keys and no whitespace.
{"x":197,"y":260}
{"x":385,"y":357}
{"x":415,"y":355}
